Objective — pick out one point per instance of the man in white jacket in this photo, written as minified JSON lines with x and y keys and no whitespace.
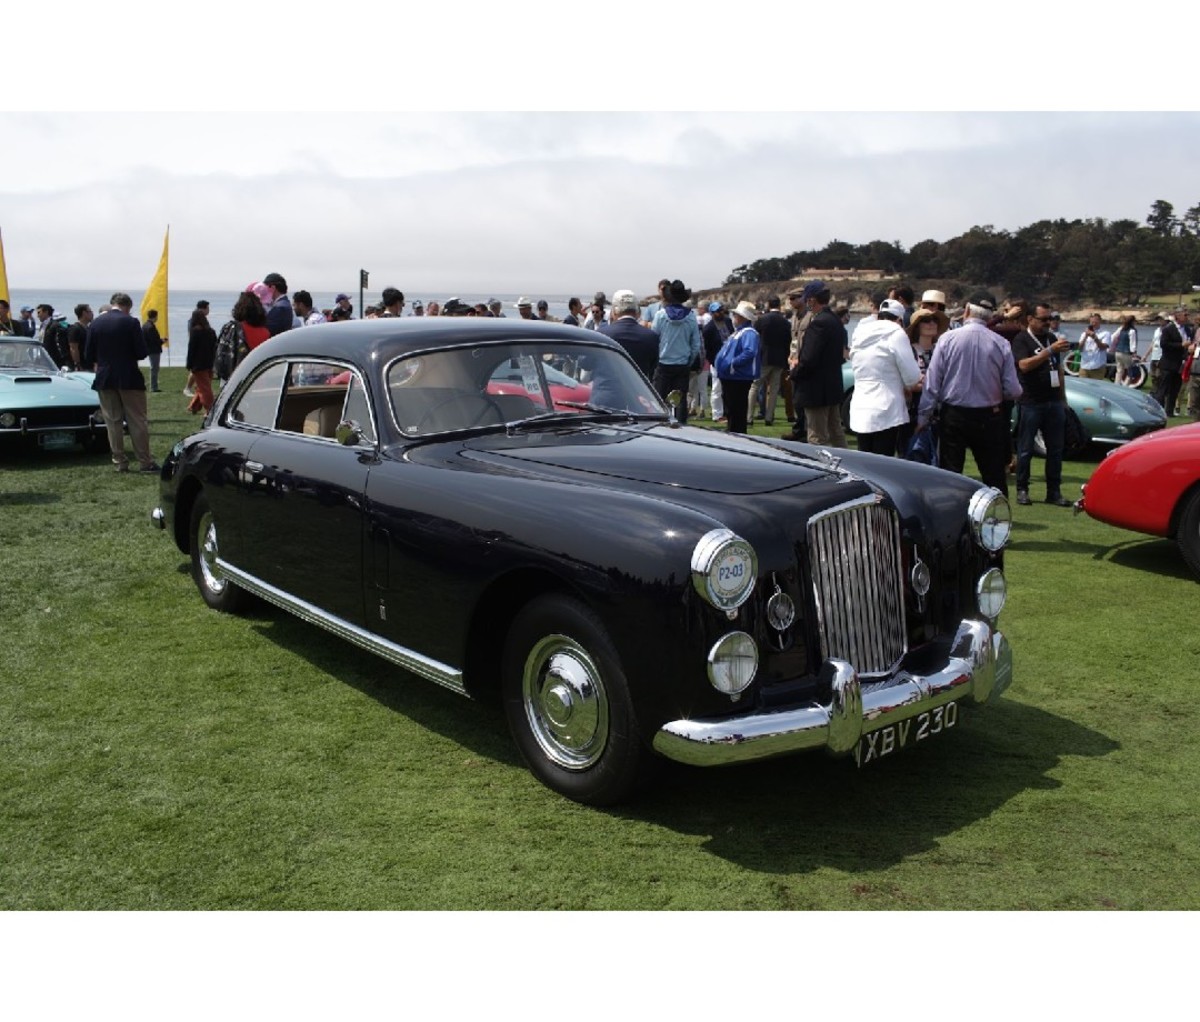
{"x":885,"y":371}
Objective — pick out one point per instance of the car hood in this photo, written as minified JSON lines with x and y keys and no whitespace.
{"x":34,"y":386}
{"x":684,"y":458}
{"x":1086,"y":395}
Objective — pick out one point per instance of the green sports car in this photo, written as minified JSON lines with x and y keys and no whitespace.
{"x":37,"y":399}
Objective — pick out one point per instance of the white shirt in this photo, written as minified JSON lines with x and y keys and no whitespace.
{"x":313,"y":318}
{"x":884,"y":369}
{"x":1091,"y":355}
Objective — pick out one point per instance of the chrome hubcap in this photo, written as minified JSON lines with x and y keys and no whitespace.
{"x":213,"y":580}
{"x":565,"y":702}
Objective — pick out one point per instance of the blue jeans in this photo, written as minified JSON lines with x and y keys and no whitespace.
{"x":1050,"y":418}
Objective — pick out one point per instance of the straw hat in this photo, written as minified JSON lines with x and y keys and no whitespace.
{"x":747,"y":311}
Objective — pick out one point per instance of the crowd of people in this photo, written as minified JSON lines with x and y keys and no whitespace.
{"x":922,"y":375}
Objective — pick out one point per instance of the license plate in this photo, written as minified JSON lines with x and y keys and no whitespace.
{"x":56,"y":440}
{"x":904,"y":733}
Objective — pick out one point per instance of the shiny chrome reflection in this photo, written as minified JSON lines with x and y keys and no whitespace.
{"x":565,"y":702}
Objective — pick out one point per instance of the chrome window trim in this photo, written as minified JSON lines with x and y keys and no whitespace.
{"x":419,"y":664}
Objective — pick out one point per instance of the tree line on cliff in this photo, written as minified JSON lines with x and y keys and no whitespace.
{"x":1104,"y":261}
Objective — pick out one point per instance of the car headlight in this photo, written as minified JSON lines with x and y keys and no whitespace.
{"x":732,"y":663}
{"x":991,"y":519}
{"x":7,"y":420}
{"x":724,"y":569}
{"x":991,"y":591}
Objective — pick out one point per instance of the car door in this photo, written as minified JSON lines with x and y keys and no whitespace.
{"x":305,"y":490}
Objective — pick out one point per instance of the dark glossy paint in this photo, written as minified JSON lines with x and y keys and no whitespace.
{"x":434,"y":544}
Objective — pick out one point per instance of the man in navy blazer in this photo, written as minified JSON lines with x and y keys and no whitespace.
{"x":641,"y":342}
{"x":114,"y":347}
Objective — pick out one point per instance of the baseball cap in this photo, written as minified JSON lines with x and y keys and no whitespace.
{"x":342,"y":297}
{"x":813,"y":287}
{"x":892,"y":308}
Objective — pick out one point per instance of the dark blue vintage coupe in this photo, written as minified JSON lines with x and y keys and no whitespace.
{"x":432,"y":490}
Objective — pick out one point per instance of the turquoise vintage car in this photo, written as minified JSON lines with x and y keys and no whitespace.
{"x":1105,"y":413}
{"x":37,"y":399}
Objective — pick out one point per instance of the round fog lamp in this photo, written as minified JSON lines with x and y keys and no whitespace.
{"x":7,"y":420}
{"x":991,"y":519}
{"x":992,"y":591}
{"x":732,"y":663}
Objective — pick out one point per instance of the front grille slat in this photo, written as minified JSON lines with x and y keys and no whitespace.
{"x":858,"y":590}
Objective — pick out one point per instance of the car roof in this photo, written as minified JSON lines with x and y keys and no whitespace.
{"x":382,"y":340}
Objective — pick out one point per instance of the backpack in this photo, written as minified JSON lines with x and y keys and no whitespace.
{"x":231,"y":349}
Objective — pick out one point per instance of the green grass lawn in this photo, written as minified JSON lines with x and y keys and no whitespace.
{"x":155,"y":754}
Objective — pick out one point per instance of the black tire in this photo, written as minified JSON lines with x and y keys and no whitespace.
{"x":1188,"y":533}
{"x":568,"y":704}
{"x":218,"y":592}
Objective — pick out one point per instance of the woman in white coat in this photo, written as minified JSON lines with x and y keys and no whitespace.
{"x":885,"y":371}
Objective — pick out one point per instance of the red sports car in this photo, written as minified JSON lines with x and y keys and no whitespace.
{"x":1152,"y":485}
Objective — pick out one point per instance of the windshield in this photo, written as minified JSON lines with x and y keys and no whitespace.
{"x":27,"y":355}
{"x":490,"y":385}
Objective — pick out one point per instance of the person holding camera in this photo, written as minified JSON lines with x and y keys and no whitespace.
{"x":1093,"y":349}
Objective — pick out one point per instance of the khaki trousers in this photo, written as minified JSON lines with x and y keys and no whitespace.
{"x":121,"y":408}
{"x":824,"y":426}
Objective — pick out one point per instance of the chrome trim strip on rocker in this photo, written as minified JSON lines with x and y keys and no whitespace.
{"x":978,"y":668}
{"x":432,"y":670}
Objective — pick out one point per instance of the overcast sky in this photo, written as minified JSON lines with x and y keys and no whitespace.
{"x":547,"y":202}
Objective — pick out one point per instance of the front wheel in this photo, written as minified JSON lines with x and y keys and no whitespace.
{"x":1188,"y":536}
{"x":568,"y":704}
{"x":1071,"y":362}
{"x":218,"y":591}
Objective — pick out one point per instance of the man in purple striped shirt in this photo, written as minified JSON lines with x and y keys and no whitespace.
{"x":971,"y":376}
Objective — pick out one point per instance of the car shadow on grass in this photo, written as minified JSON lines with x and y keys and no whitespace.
{"x":476,"y":725}
{"x":1153,"y":555}
{"x":27,"y":499}
{"x":804,"y":813}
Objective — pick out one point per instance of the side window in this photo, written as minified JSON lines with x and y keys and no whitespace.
{"x":258,"y":403}
{"x":319,"y":396}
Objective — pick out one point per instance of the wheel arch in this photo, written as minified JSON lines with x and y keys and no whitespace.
{"x":185,"y":497}
{"x":1184,"y":500}
{"x":492,"y":618}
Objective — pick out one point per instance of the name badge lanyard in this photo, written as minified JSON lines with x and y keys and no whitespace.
{"x":1054,"y":378}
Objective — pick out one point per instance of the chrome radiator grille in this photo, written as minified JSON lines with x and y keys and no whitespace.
{"x":855,"y":555}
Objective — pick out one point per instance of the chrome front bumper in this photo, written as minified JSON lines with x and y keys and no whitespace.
{"x":978,"y":668}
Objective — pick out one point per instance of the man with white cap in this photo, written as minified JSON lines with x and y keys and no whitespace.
{"x":640,"y":342}
{"x":738,"y":365}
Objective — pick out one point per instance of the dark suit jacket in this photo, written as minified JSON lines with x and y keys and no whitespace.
{"x":114,"y":347}
{"x":817,"y":378}
{"x":641,"y":342}
{"x":1171,"y":344}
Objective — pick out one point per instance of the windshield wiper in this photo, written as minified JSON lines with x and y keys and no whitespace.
{"x":556,"y":417}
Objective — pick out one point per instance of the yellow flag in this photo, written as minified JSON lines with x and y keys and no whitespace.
{"x":156,"y":293}
{"x":3,"y":272}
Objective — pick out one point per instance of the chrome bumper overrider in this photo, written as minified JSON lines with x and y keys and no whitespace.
{"x":158,"y":517}
{"x":978,"y":668}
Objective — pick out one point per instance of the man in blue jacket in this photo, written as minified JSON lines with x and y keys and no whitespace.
{"x":678,"y":346}
{"x":115,"y":346}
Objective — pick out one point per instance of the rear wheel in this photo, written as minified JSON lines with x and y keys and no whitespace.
{"x":1135,"y":376}
{"x":568,"y":704}
{"x":218,"y":591}
{"x":1188,"y":536}
{"x":1071,"y":362}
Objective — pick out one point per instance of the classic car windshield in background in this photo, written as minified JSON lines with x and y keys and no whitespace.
{"x":489,"y":385}
{"x":25,"y":355}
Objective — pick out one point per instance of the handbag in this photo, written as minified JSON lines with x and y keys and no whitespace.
{"x":1186,"y":371}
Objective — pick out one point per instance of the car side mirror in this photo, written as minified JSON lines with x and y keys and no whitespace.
{"x":348,"y":433}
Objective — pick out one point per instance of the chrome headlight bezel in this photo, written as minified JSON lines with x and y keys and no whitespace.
{"x":724,"y":569}
{"x":733,"y":663}
{"x":991,"y":519}
{"x":991,"y":593}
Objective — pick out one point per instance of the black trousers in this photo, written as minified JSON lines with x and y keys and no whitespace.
{"x":737,"y":404}
{"x":985,"y":432}
{"x":1167,"y":391}
{"x":883,"y":442}
{"x":668,"y":378}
